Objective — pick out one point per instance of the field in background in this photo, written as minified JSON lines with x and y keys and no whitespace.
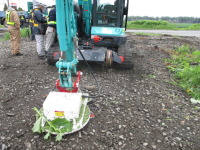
{"x":161,"y":25}
{"x":182,"y":25}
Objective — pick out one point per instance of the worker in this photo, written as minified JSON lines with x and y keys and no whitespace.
{"x":51,"y":29}
{"x":13,"y":23}
{"x":30,"y":20}
{"x":22,"y":21}
{"x":39,"y":29}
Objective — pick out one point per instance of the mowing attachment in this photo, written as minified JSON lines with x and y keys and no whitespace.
{"x":62,"y":113}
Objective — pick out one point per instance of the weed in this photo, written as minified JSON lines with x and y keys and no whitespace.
{"x":186,"y":74}
{"x":171,"y":82}
{"x":187,"y":117}
{"x":196,"y":108}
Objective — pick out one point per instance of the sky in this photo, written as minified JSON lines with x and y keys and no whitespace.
{"x":172,"y":8}
{"x":154,"y":8}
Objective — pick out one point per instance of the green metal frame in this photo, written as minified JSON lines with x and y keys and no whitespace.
{"x":66,"y":29}
{"x":87,"y":16}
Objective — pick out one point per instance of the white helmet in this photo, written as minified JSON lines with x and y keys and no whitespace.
{"x":40,"y":4}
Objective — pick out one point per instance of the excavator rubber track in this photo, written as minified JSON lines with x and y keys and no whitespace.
{"x":125,"y":51}
{"x":50,"y":55}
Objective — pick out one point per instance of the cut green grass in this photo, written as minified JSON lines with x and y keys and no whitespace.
{"x":60,"y":126}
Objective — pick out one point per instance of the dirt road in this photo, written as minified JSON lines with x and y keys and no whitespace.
{"x":139,"y":109}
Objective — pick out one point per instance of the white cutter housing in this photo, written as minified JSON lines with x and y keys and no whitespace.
{"x":62,"y":105}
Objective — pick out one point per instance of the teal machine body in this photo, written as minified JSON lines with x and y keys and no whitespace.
{"x":90,"y":31}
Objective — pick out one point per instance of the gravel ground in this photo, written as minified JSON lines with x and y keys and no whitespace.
{"x":139,"y":109}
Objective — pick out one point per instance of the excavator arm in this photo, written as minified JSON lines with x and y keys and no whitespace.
{"x":68,"y":107}
{"x":86,"y":8}
{"x":66,"y":29}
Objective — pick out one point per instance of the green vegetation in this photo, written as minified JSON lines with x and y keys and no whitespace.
{"x":184,"y":63}
{"x":182,"y":25}
{"x":149,"y":34}
{"x":149,"y":24}
{"x":5,"y":7}
{"x":1,"y":26}
{"x":162,"y":25}
{"x":6,"y":36}
{"x":23,"y":32}
{"x":194,"y":27}
{"x":60,"y":126}
{"x":166,"y":18}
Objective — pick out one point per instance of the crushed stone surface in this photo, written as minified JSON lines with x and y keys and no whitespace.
{"x":139,"y":108}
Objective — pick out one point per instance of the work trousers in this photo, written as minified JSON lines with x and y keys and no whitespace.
{"x":32,"y":35}
{"x":50,"y":37}
{"x":15,"y":40}
{"x":40,"y":44}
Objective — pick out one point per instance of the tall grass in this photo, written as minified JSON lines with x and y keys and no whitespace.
{"x":185,"y":64}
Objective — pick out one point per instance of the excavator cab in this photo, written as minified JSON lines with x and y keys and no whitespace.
{"x":109,"y":13}
{"x":105,"y":15}
{"x":109,"y":19}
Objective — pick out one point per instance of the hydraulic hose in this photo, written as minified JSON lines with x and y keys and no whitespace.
{"x":97,"y":83}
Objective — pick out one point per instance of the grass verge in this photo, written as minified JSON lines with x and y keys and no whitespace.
{"x":185,"y":65}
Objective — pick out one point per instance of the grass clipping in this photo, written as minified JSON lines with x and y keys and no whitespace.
{"x":60,"y":126}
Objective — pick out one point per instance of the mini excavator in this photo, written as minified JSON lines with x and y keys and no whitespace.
{"x":88,"y":30}
{"x":100,"y":28}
